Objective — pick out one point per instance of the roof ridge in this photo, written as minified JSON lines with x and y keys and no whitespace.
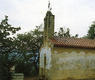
{"x":72,"y":38}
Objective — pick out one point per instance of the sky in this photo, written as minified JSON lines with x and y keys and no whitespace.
{"x":77,"y":15}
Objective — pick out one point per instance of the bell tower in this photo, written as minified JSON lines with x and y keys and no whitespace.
{"x":49,"y":23}
{"x":45,"y":52}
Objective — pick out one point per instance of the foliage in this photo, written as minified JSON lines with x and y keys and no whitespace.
{"x":76,"y":36}
{"x":91,"y":31}
{"x":6,"y":47}
{"x":64,"y":33}
{"x":28,"y":44}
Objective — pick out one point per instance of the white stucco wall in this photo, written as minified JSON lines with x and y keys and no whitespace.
{"x":45,"y":51}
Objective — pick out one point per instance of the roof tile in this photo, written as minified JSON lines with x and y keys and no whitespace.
{"x":73,"y":42}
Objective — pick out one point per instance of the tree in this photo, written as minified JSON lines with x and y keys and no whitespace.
{"x":6,"y":48}
{"x":91,"y":31}
{"x":63,"y":33}
{"x":67,"y":33}
{"x":75,"y":36}
{"x":28,"y":45}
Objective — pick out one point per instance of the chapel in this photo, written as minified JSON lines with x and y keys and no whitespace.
{"x":64,"y":58}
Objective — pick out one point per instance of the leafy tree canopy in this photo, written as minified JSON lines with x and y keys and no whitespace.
{"x":64,"y":33}
{"x":6,"y":47}
{"x":91,"y":31}
{"x":28,"y":45}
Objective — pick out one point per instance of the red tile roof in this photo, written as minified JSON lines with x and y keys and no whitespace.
{"x":73,"y":42}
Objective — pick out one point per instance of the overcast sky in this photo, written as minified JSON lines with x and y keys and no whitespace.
{"x":74,"y":14}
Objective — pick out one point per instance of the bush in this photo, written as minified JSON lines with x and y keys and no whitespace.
{"x":5,"y":73}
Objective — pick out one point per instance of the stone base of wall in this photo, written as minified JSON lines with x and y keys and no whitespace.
{"x":17,"y":76}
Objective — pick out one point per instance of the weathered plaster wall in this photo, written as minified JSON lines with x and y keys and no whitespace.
{"x":72,"y":63}
{"x":45,"y":60}
{"x":45,"y":52}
